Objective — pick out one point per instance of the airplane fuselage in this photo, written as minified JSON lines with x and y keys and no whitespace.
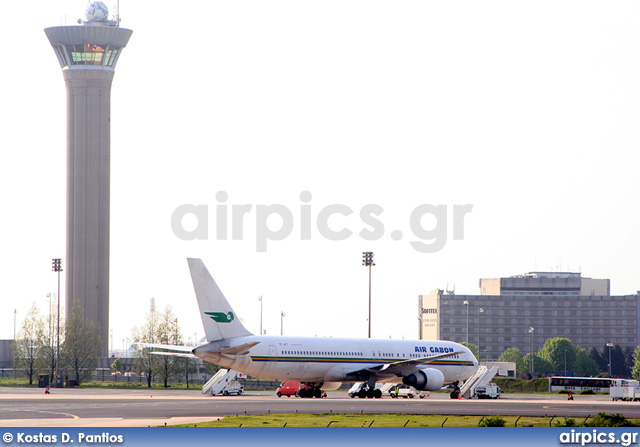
{"x":324,"y":360}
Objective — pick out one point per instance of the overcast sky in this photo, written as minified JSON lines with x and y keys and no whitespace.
{"x":522,"y":116}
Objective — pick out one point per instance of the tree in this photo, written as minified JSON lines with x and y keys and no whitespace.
{"x":50,"y":341}
{"x":210,"y":368}
{"x":635,"y":371}
{"x":189,"y":367}
{"x":556,"y":351}
{"x":541,"y":365}
{"x":116,"y":366}
{"x":628,"y":360}
{"x":147,"y":363}
{"x":584,"y":365}
{"x":81,"y":346}
{"x":514,"y":355}
{"x":599,"y":359}
{"x":28,"y":348}
{"x":169,"y":334}
{"x":618,"y":364}
{"x":473,"y":348}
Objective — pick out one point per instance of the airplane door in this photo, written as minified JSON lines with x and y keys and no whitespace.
{"x":273,"y":353}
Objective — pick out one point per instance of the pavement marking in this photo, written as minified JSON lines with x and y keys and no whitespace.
{"x":72,"y":416}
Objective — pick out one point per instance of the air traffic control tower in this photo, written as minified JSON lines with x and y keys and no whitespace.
{"x":88,"y":54}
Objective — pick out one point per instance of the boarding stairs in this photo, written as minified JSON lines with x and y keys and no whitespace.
{"x":221,"y":380}
{"x":481,"y":377}
{"x":386,"y":387}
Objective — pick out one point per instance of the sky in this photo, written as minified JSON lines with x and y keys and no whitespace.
{"x":455,"y":140}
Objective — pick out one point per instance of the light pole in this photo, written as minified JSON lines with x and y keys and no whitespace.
{"x":531,"y":350}
{"x":282,"y":315}
{"x":56,"y":264}
{"x":565,"y":363}
{"x":367,"y":261}
{"x":466,"y":303}
{"x":260,"y":299}
{"x":15,"y":315}
{"x":610,"y":345}
{"x":480,"y":310}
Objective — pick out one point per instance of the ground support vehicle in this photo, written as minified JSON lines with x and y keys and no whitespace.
{"x":490,"y":391}
{"x":622,"y":389}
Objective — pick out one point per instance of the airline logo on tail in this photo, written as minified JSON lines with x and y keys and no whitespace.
{"x":221,"y":317}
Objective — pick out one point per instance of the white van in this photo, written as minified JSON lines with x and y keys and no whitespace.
{"x":407,"y":391}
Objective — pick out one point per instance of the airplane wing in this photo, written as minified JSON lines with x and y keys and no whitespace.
{"x":406,"y":367}
{"x":179,"y":348}
{"x":175,"y":354}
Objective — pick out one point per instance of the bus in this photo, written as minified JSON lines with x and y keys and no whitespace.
{"x":577,"y":384}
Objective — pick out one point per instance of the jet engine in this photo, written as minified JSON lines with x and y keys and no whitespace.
{"x":429,"y":379}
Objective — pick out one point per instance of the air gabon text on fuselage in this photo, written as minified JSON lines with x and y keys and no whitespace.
{"x":434,"y":349}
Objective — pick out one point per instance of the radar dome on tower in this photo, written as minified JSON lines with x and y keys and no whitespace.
{"x":97,"y":12}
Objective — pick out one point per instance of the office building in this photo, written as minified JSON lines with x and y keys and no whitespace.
{"x":524,"y":311}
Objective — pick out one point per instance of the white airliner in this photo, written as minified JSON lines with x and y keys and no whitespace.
{"x":320,"y":363}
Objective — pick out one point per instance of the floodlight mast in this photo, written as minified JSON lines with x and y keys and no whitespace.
{"x":367,"y":261}
{"x":56,"y":266}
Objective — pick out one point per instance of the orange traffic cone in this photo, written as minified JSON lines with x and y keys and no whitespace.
{"x":459,"y":396}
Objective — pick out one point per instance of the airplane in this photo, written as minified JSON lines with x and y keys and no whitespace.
{"x":320,"y":363}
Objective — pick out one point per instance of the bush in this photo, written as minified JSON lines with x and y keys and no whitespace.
{"x":609,"y":420}
{"x":493,"y":421}
{"x":567,"y":423}
{"x":587,"y":392}
{"x":512,"y":385}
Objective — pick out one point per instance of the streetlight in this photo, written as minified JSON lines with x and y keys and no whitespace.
{"x":260,"y":299}
{"x":56,"y":266}
{"x":367,"y":261}
{"x":610,"y":345}
{"x":282,"y":315}
{"x":466,"y":303}
{"x":565,"y":363}
{"x":531,"y":350}
{"x":480,"y":310}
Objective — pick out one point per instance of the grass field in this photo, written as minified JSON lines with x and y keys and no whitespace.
{"x":367,"y":420}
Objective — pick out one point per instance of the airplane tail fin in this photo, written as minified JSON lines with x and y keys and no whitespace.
{"x":218,"y":318}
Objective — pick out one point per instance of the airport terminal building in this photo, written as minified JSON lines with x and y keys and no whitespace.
{"x":523,"y":311}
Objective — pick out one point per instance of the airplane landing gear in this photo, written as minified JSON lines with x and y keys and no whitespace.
{"x":311,"y":392}
{"x":456,"y":391}
{"x":369,"y":393}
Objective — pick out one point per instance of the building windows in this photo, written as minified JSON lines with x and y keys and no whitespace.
{"x":87,"y":54}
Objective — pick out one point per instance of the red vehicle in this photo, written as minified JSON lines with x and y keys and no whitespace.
{"x":289,"y":389}
{"x":298,"y":389}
